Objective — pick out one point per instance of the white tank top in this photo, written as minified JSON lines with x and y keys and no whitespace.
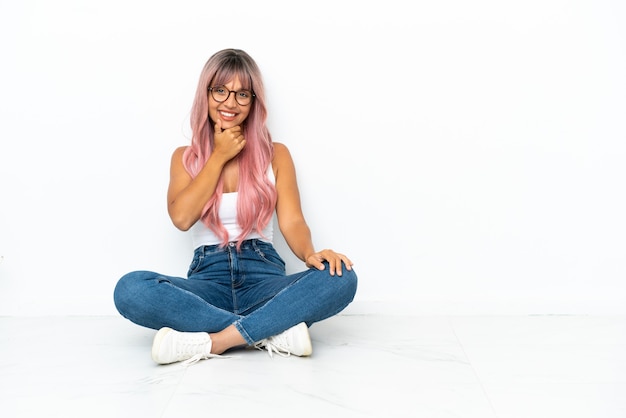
{"x":202,"y":235}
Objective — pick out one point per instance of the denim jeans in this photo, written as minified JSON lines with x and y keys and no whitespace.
{"x":248,"y":288}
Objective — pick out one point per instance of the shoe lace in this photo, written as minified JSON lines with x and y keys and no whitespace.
{"x":276,"y":344}
{"x":197,"y":357}
{"x":199,"y":347}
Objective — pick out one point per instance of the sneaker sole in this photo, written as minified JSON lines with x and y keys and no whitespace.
{"x":156,"y":344}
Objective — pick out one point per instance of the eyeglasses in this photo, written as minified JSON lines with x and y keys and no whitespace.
{"x":221,"y":94}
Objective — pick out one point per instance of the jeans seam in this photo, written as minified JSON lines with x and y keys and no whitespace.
{"x":243,"y":333}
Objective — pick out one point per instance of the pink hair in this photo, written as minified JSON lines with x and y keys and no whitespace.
{"x":257,"y":195}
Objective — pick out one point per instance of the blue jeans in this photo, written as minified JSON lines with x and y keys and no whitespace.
{"x":248,"y":288}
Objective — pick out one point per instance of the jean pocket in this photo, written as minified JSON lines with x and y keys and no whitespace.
{"x":196,"y":262}
{"x":268,"y":255}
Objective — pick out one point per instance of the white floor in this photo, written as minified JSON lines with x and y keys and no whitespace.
{"x":362,"y":366}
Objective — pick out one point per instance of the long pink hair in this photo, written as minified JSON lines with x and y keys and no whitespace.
{"x":257,"y":195}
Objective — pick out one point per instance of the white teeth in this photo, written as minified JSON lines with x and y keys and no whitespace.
{"x":228,"y":115}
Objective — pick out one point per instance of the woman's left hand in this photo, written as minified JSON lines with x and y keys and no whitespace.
{"x":334,"y":261}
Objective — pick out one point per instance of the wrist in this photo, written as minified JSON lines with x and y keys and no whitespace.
{"x":216,"y":160}
{"x":307,"y":256}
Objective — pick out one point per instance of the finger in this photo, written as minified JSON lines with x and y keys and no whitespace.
{"x":338,"y":269}
{"x":347,"y":262}
{"x":332,"y":266}
{"x":336,"y":264}
{"x":218,"y":127}
{"x":316,"y":262}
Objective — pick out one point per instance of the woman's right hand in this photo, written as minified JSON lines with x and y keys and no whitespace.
{"x":228,"y":142}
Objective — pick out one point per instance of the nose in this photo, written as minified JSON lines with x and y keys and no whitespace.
{"x":231,"y":102}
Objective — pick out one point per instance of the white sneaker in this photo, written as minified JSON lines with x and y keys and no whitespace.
{"x":170,"y":346}
{"x":295,"y":340}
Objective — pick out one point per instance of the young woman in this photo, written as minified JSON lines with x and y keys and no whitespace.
{"x":225,"y":189}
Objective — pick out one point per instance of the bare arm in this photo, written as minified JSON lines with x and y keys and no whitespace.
{"x":291,"y":219}
{"x":186,"y":197}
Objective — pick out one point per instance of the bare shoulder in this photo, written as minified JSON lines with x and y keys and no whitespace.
{"x":178,"y":152}
{"x":282,"y":164}
{"x":282,"y":155}
{"x":280,"y":148}
{"x":177,"y":156}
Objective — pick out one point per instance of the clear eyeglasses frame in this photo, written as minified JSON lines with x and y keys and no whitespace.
{"x":221,"y":94}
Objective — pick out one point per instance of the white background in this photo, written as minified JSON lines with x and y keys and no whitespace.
{"x":468,"y":156}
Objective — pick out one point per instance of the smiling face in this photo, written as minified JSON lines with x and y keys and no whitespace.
{"x":229,"y":111}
